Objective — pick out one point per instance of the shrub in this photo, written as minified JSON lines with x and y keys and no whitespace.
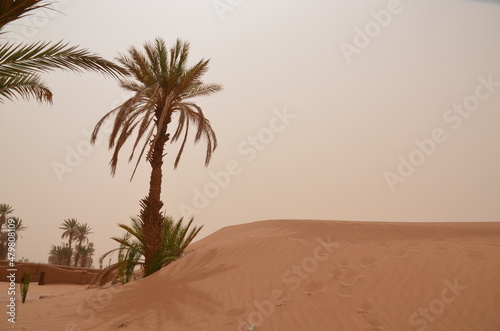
{"x":175,"y":238}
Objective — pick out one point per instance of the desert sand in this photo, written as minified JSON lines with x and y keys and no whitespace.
{"x":297,"y":275}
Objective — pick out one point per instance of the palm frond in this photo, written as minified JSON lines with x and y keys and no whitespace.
{"x":162,"y":83}
{"x":176,"y":236}
{"x":12,"y":10}
{"x":25,"y":87}
{"x":43,"y":56}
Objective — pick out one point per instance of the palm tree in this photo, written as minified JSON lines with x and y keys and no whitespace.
{"x":70,"y":227}
{"x":86,"y":253}
{"x":21,"y":64}
{"x":175,"y":237}
{"x":4,"y":235}
{"x":4,"y":248}
{"x":18,"y":225}
{"x":59,"y":255}
{"x":163,"y":86}
{"x":5,"y":210}
{"x":83,"y":230}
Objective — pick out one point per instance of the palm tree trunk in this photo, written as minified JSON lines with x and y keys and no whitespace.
{"x":151,"y":216}
{"x":77,"y":256}
{"x":68,"y":263}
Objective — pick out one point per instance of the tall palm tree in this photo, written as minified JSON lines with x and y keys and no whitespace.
{"x":163,"y":86}
{"x":5,"y":210}
{"x":21,"y":64}
{"x":83,"y":230}
{"x":70,"y":227}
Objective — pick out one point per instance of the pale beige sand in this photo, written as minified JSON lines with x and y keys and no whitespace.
{"x":300,"y":276}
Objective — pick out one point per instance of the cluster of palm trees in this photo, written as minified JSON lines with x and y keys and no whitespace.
{"x":163,"y":87}
{"x":5,"y":211}
{"x":81,"y":254}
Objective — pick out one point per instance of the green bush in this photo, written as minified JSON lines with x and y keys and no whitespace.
{"x":175,"y":238}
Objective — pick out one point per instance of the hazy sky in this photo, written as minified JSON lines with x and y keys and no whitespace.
{"x":340,"y":110}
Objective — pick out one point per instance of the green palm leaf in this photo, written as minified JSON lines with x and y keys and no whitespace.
{"x":43,"y":56}
{"x":24,"y":86}
{"x":12,"y":10}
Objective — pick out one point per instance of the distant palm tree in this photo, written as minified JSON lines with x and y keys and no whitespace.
{"x":83,"y":230}
{"x":4,"y":248}
{"x":70,"y":227}
{"x":18,"y":225}
{"x":163,"y":85}
{"x":4,"y":235}
{"x":86,"y":252}
{"x":59,"y":255}
{"x":175,"y":237}
{"x":21,"y":64}
{"x":5,"y":210}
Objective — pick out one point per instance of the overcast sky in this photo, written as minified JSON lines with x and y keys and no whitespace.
{"x":337,"y":110}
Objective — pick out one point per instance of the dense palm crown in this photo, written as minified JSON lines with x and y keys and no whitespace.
{"x":163,"y":86}
{"x":22,"y":64}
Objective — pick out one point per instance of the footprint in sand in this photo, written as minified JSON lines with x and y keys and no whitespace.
{"x":350,"y":278}
{"x":344,"y":292}
{"x":314,"y":287}
{"x":351,"y":282}
{"x":234,"y":312}
{"x":364,"y":308}
{"x":438,"y":248}
{"x":343,"y":263}
{"x":366,"y":261}
{"x":400,"y":253}
{"x":335,"y":273}
{"x":374,"y":323}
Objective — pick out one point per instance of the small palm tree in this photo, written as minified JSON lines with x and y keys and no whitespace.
{"x":5,"y":210}
{"x":70,"y":227}
{"x":59,"y":255}
{"x":4,"y":236}
{"x":86,"y":253}
{"x":18,"y":225}
{"x":21,"y":64}
{"x":83,"y":230}
{"x":163,"y":86}
{"x":175,"y":238}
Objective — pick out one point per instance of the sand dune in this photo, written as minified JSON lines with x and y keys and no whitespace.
{"x":298,"y":275}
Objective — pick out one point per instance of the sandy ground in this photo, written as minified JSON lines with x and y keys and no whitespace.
{"x":295,"y":275}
